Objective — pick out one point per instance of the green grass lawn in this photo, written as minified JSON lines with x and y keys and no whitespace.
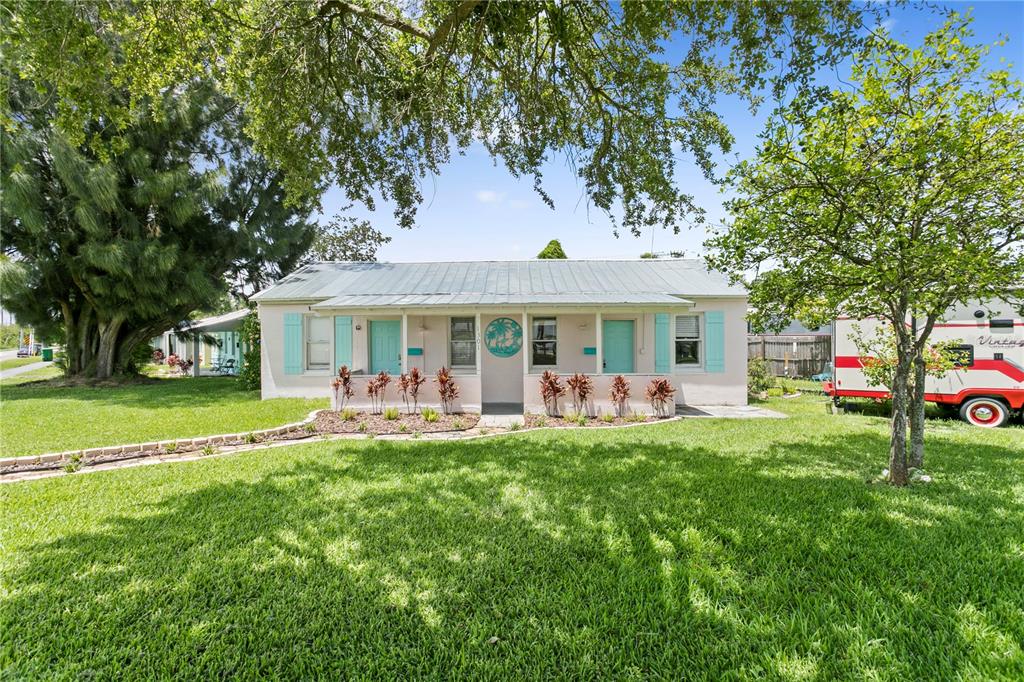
{"x":40,"y":417}
{"x":11,"y":363}
{"x":704,"y":548}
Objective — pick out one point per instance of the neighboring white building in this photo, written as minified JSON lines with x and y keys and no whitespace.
{"x":500,"y":324}
{"x":214,"y":341}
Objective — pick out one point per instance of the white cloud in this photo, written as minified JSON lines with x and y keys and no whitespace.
{"x":489,"y":196}
{"x":887,"y":25}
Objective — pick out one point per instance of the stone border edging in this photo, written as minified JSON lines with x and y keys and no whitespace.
{"x":170,"y":458}
{"x":154,"y":446}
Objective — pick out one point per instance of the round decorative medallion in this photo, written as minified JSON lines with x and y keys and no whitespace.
{"x":503,"y":337}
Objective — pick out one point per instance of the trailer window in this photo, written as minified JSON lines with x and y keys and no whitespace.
{"x":962,"y":356}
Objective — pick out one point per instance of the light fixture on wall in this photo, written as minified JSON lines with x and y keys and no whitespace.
{"x":358,"y":327}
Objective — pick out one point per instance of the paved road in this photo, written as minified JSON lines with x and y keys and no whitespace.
{"x":5,"y":354}
{"x":24,"y":368}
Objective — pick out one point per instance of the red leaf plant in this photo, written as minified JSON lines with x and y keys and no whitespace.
{"x":551,"y":389}
{"x":341,"y":388}
{"x":416,"y":379}
{"x":620,"y":394}
{"x":582,"y":387}
{"x":447,"y":389}
{"x":383,"y":379}
{"x":659,"y":392}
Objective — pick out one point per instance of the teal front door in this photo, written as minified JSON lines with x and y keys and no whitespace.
{"x":385,"y":346}
{"x":617,"y":346}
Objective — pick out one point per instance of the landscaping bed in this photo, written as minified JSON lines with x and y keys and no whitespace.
{"x":539,"y":421}
{"x":325,"y":422}
{"x":328,"y":421}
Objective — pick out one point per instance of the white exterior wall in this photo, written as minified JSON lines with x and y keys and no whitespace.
{"x":511,"y":379}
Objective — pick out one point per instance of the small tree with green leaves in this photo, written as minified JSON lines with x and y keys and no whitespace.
{"x":896,"y":197}
{"x":553,"y":250}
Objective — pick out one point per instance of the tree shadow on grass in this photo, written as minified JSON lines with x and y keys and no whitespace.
{"x":602,"y":558}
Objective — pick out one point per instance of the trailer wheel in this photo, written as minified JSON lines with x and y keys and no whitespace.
{"x":985,"y":412}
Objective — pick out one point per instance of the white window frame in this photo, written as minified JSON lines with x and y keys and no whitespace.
{"x":476,"y":332}
{"x":306,"y":321}
{"x":701,"y":343}
{"x":533,"y":340}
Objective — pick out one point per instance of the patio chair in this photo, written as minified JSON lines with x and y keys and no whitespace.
{"x":226,"y":367}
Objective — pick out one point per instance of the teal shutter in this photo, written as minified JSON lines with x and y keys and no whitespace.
{"x":714,"y":330}
{"x":662,"y":343}
{"x":292,"y":343}
{"x":342,"y":341}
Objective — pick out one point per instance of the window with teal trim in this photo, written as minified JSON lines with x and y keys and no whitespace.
{"x":318,"y":342}
{"x":688,"y":351}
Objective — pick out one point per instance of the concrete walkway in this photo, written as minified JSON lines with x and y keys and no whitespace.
{"x":7,"y":373}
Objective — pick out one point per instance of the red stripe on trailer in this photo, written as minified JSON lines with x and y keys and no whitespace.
{"x":1002,"y":366}
{"x":1013,"y":397}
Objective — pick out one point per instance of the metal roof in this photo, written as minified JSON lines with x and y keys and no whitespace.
{"x":412,"y":300}
{"x":221,"y":323}
{"x":554,"y":282}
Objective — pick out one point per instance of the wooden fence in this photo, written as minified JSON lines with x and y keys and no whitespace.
{"x":792,"y":356}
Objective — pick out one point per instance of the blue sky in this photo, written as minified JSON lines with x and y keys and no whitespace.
{"x":475,"y":210}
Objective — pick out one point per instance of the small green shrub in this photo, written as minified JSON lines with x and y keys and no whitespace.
{"x":74,"y":464}
{"x":391,"y":413}
{"x":787,"y":386}
{"x":403,"y":428}
{"x":348,"y":414}
{"x":417,"y":434}
{"x":515,"y":426}
{"x":310,"y":427}
{"x":250,"y":438}
{"x":362,"y":427}
{"x":759,"y":376}
{"x":484,"y":431}
{"x":607,"y":417}
{"x":171,"y":447}
{"x":457,"y":424}
{"x":429,"y":415}
{"x":577,"y":418}
{"x":638,"y":417}
{"x":209,"y":450}
{"x":775,"y":392}
{"x":542,"y":421}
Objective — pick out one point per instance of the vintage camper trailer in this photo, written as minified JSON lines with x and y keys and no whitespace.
{"x":986,"y":390}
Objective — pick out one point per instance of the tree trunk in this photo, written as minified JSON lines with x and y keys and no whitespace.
{"x":916,"y":458}
{"x":108,"y":348}
{"x":898,"y":437}
{"x":72,"y":356}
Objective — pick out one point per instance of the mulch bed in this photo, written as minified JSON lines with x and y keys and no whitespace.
{"x":536,"y":421}
{"x":331,"y":422}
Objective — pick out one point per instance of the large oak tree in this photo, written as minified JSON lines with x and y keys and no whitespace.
{"x":375,"y":95}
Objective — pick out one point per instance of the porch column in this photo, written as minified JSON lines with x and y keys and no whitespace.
{"x":195,"y":356}
{"x":526,"y":343}
{"x":598,"y":342}
{"x":478,"y":341}
{"x":404,"y":353}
